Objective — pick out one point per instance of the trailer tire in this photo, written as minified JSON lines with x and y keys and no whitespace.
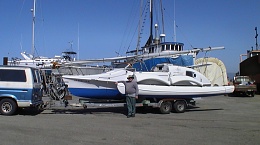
{"x":166,"y":107}
{"x":8,"y":107}
{"x":180,"y":106}
{"x":250,"y":94}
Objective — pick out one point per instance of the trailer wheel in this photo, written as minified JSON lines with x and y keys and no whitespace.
{"x":180,"y":106}
{"x":166,"y":107}
{"x":250,"y":94}
{"x":8,"y":107}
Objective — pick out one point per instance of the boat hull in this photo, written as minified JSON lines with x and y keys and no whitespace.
{"x":184,"y":92}
{"x":93,"y":89}
{"x":178,"y":92}
{"x":251,"y":67}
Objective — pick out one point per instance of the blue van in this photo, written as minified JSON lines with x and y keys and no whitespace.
{"x":20,"y":87}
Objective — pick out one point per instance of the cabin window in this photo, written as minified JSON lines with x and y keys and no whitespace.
{"x":181,"y":47}
{"x":151,"y":50}
{"x":177,"y":48}
{"x":167,"y":47}
{"x":163,"y":47}
{"x":10,"y":75}
{"x":145,"y":50}
{"x":160,"y":68}
{"x":189,"y":73}
{"x":173,"y":47}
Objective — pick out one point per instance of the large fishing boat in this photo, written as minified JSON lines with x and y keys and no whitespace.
{"x":251,"y":65}
{"x":157,"y":42}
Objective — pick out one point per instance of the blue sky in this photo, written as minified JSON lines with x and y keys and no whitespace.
{"x":107,"y":27}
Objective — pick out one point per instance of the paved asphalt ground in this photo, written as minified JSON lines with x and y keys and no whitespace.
{"x":220,"y":120}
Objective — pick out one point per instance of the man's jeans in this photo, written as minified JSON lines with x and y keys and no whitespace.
{"x":130,"y":102}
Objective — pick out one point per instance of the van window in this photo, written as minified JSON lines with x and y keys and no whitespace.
{"x":10,"y":75}
{"x":38,"y":76}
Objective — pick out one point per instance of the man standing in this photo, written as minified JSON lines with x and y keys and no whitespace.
{"x":131,"y":90}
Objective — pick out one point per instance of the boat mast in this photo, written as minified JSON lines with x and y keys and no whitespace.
{"x":256,"y":35}
{"x":174,"y":33}
{"x":151,"y":23}
{"x":78,"y":41}
{"x":139,"y":28}
{"x":33,"y":22}
{"x":162,"y":17}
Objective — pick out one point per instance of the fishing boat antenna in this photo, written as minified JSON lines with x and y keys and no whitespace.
{"x":256,"y":35}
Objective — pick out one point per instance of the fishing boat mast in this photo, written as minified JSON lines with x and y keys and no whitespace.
{"x":151,"y":23}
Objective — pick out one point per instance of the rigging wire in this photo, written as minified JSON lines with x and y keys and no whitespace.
{"x":16,"y":24}
{"x":181,"y":32}
{"x":42,"y":26}
{"x":136,"y":29}
{"x":127,"y":26}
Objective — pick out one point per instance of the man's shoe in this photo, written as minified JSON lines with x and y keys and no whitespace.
{"x":128,"y":116}
{"x":133,"y":115}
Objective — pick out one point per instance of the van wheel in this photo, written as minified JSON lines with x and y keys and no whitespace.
{"x":180,"y":106}
{"x":8,"y":107}
{"x":166,"y":107}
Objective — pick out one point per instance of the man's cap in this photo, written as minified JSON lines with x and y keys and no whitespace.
{"x":130,"y":76}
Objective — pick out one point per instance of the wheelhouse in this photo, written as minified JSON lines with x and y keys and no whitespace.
{"x":166,"y":46}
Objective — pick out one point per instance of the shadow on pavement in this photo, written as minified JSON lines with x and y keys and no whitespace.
{"x":197,"y":110}
{"x":28,"y":111}
{"x":118,"y":110}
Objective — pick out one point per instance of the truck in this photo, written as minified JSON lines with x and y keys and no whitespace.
{"x":244,"y":85}
{"x":20,"y":87}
